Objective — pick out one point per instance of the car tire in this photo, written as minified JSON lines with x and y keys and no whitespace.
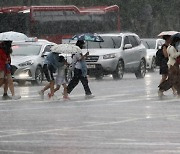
{"x":140,"y":73}
{"x":38,"y":76}
{"x":119,"y":72}
{"x":153,"y":65}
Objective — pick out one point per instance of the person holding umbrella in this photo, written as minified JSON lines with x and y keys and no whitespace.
{"x":163,"y":66}
{"x":60,"y":80}
{"x":173,"y":65}
{"x":80,"y":72}
{"x":51,"y":64}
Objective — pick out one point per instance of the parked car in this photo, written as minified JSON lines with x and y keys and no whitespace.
{"x":119,"y":53}
{"x":152,"y":45}
{"x":27,"y":61}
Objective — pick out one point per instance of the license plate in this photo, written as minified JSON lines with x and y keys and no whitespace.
{"x":91,"y":66}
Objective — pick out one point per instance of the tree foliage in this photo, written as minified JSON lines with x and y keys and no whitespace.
{"x":144,"y":17}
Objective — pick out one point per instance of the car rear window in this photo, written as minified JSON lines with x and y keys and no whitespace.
{"x":149,"y":44}
{"x":25,"y":50}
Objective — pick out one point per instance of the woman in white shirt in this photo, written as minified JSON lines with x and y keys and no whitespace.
{"x":173,"y":54}
{"x":174,"y":71}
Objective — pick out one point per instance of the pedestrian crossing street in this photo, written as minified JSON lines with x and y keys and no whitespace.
{"x":34,"y":97}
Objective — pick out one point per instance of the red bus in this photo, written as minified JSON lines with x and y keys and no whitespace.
{"x":55,"y":23}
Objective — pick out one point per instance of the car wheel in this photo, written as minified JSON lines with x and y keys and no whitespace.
{"x":140,"y":73}
{"x":153,"y":65}
{"x":118,"y":74}
{"x":38,"y":76}
{"x":21,"y":83}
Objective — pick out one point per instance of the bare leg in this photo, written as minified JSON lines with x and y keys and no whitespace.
{"x":10,"y":86}
{"x":52,"y":88}
{"x":65,"y":91}
{"x":57,"y":88}
{"x":1,"y":81}
{"x":164,"y":77}
{"x":174,"y":91}
{"x":45,"y":88}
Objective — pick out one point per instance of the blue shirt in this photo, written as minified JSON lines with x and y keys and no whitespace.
{"x":53,"y":59}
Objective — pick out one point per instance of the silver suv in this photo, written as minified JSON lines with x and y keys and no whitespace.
{"x":119,"y":53}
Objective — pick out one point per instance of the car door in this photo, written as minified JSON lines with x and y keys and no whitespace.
{"x":137,"y":50}
{"x":128,"y":53}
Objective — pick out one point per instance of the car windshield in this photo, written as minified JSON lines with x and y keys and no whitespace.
{"x":25,"y":50}
{"x":109,"y":42}
{"x":149,"y":44}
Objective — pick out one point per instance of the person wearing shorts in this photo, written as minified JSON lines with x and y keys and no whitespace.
{"x":50,"y":66}
{"x":5,"y":70}
{"x":60,"y":78}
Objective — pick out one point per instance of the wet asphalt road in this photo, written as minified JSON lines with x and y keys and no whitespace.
{"x":125,"y":117}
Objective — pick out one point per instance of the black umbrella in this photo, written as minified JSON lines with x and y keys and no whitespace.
{"x":88,"y":37}
{"x":176,"y":36}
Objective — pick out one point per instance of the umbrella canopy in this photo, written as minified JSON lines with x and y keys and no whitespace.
{"x":13,"y":36}
{"x":176,"y":36}
{"x":88,"y":37}
{"x":167,"y":33}
{"x":66,"y":48}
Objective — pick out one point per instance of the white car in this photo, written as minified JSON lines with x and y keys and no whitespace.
{"x":27,"y":61}
{"x":119,"y":53}
{"x":152,"y":45}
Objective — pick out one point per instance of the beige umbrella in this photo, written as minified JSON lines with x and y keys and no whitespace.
{"x":66,"y":49}
{"x":167,"y":33}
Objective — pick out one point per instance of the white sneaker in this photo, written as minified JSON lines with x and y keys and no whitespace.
{"x":41,"y":94}
{"x":16,"y":97}
{"x":89,"y":96}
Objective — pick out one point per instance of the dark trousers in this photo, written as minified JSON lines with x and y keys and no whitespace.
{"x":75,"y":80}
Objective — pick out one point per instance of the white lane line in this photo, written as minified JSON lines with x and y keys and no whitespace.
{"x":167,"y":151}
{"x":13,"y":151}
{"x":82,"y":126}
{"x":71,"y":128}
{"x":143,"y":143}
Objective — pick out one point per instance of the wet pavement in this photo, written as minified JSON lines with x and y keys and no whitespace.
{"x":125,"y":117}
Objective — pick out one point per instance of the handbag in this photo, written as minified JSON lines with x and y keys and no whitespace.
{"x":178,"y":60}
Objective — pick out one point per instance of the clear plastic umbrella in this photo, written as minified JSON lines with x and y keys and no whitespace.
{"x":66,"y":49}
{"x":13,"y":36}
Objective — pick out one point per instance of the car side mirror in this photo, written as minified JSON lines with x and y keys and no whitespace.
{"x":128,"y":46}
{"x":159,"y":47}
{"x":44,"y":54}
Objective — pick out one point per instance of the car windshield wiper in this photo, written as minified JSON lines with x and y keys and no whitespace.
{"x":114,"y":43}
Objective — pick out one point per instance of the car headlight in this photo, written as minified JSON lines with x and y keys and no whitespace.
{"x":30,"y":62}
{"x":149,"y":57}
{"x":109,"y":56}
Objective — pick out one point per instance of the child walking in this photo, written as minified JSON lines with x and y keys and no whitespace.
{"x":60,"y":80}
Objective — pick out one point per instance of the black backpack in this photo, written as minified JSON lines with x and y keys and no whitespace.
{"x":159,"y":57}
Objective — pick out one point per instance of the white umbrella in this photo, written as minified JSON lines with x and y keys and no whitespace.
{"x":66,"y":48}
{"x":167,"y":33}
{"x":13,"y":36}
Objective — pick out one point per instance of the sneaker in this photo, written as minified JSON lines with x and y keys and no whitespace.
{"x":16,"y":97}
{"x":89,"y":96}
{"x":41,"y":94}
{"x":6,"y":97}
